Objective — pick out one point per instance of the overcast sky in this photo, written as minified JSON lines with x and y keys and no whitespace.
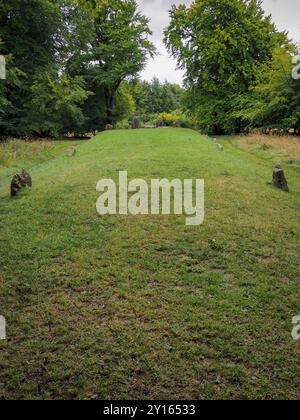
{"x":285,"y":14}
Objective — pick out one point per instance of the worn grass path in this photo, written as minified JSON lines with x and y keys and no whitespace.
{"x":145,"y":307}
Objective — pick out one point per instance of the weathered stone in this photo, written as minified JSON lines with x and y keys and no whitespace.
{"x":20,"y":181}
{"x":279,"y":179}
{"x":176,"y":124}
{"x":109,"y":127}
{"x":73,"y":152}
{"x":136,"y":123}
{"x":160,"y":123}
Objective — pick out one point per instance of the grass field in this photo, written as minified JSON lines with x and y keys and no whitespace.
{"x":144,"y":307}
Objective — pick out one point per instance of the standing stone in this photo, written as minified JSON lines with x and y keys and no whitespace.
{"x":136,"y":123}
{"x":279,"y":179}
{"x":73,"y":152}
{"x":176,"y":124}
{"x":16,"y":185}
{"x":160,"y":123}
{"x":27,"y":180}
{"x":20,"y":181}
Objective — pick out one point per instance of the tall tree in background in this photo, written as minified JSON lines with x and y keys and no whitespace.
{"x":274,"y":99}
{"x":118,"y":48}
{"x":56,"y":103}
{"x":155,"y":97}
{"x":70,"y":58}
{"x":28,"y":31}
{"x":220,"y":44}
{"x":14,"y":77}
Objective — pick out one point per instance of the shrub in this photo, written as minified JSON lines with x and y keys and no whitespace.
{"x":123,"y":125}
{"x":176,"y":119}
{"x":169,"y":119}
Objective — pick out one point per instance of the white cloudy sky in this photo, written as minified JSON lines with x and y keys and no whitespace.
{"x":285,"y":14}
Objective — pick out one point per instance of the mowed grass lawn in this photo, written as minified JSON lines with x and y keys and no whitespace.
{"x":144,"y":307}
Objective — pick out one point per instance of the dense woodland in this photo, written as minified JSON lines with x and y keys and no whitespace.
{"x":73,"y":66}
{"x":67,"y":61}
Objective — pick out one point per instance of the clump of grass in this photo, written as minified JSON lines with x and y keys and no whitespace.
{"x":15,"y":153}
{"x":281,"y":146}
{"x":14,"y":150}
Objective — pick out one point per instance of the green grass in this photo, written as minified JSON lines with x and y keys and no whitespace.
{"x":145,"y":307}
{"x":17,"y":153}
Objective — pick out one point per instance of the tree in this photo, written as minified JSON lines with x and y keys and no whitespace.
{"x":29,"y":49}
{"x":220,"y":44}
{"x":55,"y":104}
{"x":125,"y":106}
{"x":117,"y":49}
{"x":274,"y":100}
{"x":61,"y":51}
{"x":155,"y":97}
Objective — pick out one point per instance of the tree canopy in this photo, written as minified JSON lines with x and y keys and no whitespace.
{"x":66,"y":62}
{"x":222,"y":45}
{"x":74,"y":66}
{"x":156,"y":97}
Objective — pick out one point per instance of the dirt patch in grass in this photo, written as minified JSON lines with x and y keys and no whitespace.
{"x":271,"y":259}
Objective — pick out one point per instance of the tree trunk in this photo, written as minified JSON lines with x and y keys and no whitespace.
{"x":217,"y":131}
{"x":110,"y":106}
{"x":238,"y":126}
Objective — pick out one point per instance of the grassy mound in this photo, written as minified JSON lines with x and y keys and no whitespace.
{"x":145,"y":307}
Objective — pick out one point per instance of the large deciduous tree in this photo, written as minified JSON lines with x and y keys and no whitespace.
{"x":117,"y":48}
{"x":155,"y":97}
{"x":220,"y":44}
{"x":274,"y":99}
{"x":67,"y":60}
{"x":28,"y":30}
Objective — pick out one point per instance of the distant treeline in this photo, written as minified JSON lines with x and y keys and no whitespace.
{"x":154,"y":97}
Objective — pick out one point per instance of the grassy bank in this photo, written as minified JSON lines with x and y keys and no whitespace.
{"x":16,"y":154}
{"x":145,"y":307}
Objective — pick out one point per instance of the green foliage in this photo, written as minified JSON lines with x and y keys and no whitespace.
{"x":221,"y":44}
{"x":28,"y":49}
{"x":55,"y":105}
{"x":123,"y":125}
{"x":169,"y":119}
{"x":14,"y":80}
{"x":117,"y":48}
{"x":84,"y":47}
{"x":125,"y":106}
{"x":155,"y":97}
{"x":178,"y":116}
{"x":274,"y":100}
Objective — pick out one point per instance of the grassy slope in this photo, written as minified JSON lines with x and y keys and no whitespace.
{"x":16,"y":154}
{"x":145,"y":307}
